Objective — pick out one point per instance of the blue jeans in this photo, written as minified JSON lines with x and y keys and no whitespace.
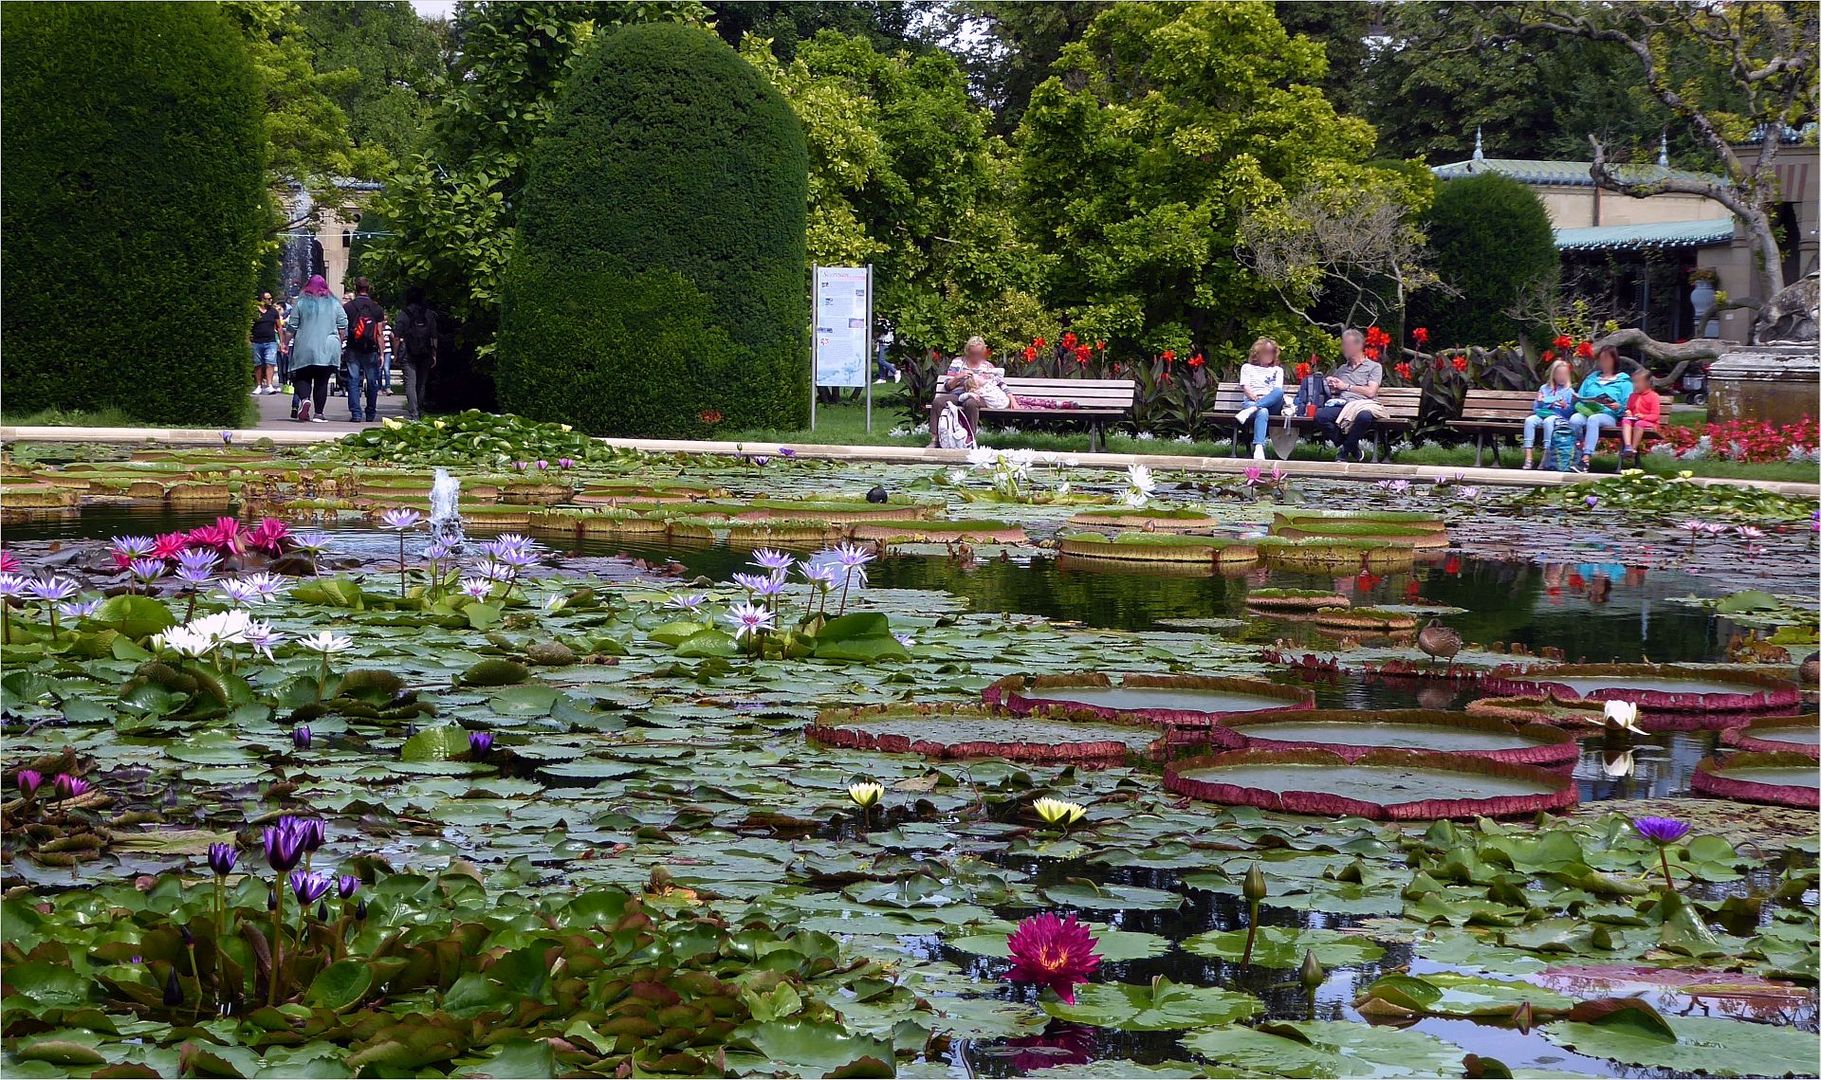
{"x":265,"y":354}
{"x":1548,"y":425}
{"x":1268,"y":406}
{"x":1592,"y":426}
{"x":363,"y":370}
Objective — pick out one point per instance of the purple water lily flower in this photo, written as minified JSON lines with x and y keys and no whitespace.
{"x":820,"y":574}
{"x":748,"y":619}
{"x":197,"y":565}
{"x":127,"y":548}
{"x":284,"y":846}
{"x":787,"y":452}
{"x":686,"y":601}
{"x":13,"y":586}
{"x":1661,"y":830}
{"x":565,"y":463}
{"x":239,"y":592}
{"x":308,"y":888}
{"x":222,"y":858}
{"x":146,"y":570}
{"x":70,"y":787}
{"x":767,"y":559}
{"x":477,"y":587}
{"x":311,"y":543}
{"x":480,"y":742}
{"x":267,"y":584}
{"x":28,"y":781}
{"x":543,"y":464}
{"x":346,"y":885}
{"x":56,"y":587}
{"x":1592,"y":501}
{"x":401,"y":518}
{"x":311,"y":831}
{"x":300,"y":738}
{"x":78,"y":609}
{"x":437,"y":552}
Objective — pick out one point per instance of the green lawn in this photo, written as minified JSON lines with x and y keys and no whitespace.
{"x":107,"y":418}
{"x":845,"y":424}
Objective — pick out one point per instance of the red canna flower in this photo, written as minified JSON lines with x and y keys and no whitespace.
{"x":1548,"y":356}
{"x":1403,"y":371}
{"x":1163,"y":377}
{"x":1169,"y":356}
{"x":1100,"y":346}
{"x":1370,"y":352}
{"x":1584,"y":350}
{"x":1030,"y":354}
{"x":1377,"y":338}
{"x":709,"y":416}
{"x":1421,"y":334}
{"x":1303,"y":369}
{"x":1196,"y":360}
{"x":1037,"y":344}
{"x":1069,"y":339}
{"x":1460,"y":363}
{"x":1052,"y":952}
{"x":1563,"y":341}
{"x":1081,"y":355}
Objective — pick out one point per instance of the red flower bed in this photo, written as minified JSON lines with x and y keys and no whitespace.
{"x":1747,"y":440}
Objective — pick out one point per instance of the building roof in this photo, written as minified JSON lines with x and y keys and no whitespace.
{"x":1563,"y":173}
{"x":1662,"y":234}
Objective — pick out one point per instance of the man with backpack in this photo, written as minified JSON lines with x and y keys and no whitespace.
{"x":415,"y":349}
{"x":366,"y":329}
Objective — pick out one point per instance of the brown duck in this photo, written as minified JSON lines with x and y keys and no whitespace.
{"x":1438,"y":641}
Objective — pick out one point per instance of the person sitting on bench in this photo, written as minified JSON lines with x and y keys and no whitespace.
{"x":1261,"y":379}
{"x":1355,"y":381}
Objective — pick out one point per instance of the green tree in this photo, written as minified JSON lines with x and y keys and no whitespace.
{"x":905,"y":175}
{"x":1341,"y":27}
{"x":1154,"y":136}
{"x":886,"y":24}
{"x":1008,"y":46}
{"x":1494,"y":246}
{"x":133,"y":210}
{"x":657,"y":283}
{"x":449,"y":211}
{"x":396,"y":62}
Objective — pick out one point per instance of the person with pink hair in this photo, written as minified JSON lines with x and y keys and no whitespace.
{"x":318,"y":326}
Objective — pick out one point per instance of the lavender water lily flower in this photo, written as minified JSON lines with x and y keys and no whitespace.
{"x":767,"y":559}
{"x":686,"y":601}
{"x":78,"y":609}
{"x":1662,"y":832}
{"x":267,"y":584}
{"x":54,"y":588}
{"x":14,"y":586}
{"x":401,"y":518}
{"x":480,"y":743}
{"x":477,"y":587}
{"x":311,"y":543}
{"x":301,"y":738}
{"x":748,"y":619}
{"x":261,"y":637}
{"x":222,"y":858}
{"x":308,"y":888}
{"x":239,"y":592}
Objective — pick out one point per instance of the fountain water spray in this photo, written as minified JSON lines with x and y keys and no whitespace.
{"x":445,"y":520}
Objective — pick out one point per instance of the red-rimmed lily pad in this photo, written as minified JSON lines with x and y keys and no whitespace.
{"x":1655,"y":688}
{"x":1584,"y":718}
{"x":1395,"y":785}
{"x":1782,"y":779}
{"x":1295,"y":599}
{"x":1149,"y":519}
{"x":1365,"y":620}
{"x":915,"y":531}
{"x":1777,"y":734}
{"x":1159,"y":547}
{"x":969,"y":731}
{"x":1169,"y":700}
{"x":1352,"y":734}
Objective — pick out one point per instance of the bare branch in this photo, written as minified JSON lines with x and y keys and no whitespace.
{"x":1632,"y":337}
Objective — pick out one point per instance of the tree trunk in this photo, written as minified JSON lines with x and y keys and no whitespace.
{"x":1696,"y":349}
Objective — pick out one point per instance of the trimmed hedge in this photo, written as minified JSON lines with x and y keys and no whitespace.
{"x":658,"y":285}
{"x":133,"y":210}
{"x":1493,"y":242}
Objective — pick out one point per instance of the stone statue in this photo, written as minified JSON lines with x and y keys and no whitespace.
{"x":1793,"y":315}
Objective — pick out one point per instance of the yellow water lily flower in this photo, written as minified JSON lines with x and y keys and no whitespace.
{"x":865,"y":794}
{"x":391,"y":424}
{"x":1058,"y":812}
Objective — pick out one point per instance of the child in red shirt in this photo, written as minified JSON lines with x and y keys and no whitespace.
{"x":1643,"y":414}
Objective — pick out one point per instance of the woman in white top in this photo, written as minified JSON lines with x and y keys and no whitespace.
{"x":1261,"y":379}
{"x":971,"y":383}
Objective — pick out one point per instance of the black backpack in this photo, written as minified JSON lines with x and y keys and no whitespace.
{"x":419,"y":333}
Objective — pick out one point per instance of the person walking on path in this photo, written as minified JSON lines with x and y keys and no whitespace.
{"x":268,"y":323}
{"x":366,"y":330}
{"x":415,"y":341}
{"x":318,"y":326}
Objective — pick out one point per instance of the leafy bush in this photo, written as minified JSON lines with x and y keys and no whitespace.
{"x":469,"y":438}
{"x":133,"y":210}
{"x":1493,"y":242}
{"x":657,"y":286}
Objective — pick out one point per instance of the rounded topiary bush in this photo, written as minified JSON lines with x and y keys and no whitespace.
{"x":1493,"y":242}
{"x":658,"y":284}
{"x":133,"y":210}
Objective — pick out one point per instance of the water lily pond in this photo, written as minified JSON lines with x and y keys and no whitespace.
{"x":590,"y":806}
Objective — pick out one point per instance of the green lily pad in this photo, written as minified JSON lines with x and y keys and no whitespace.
{"x":1283,"y":947}
{"x":1448,"y":994}
{"x":810,"y":1048}
{"x":1159,"y":1006}
{"x":1326,"y":1048}
{"x":1112,"y":897}
{"x":1691,"y":1044}
{"x":340,"y":985}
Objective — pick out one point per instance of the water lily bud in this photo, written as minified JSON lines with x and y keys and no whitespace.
{"x":360,"y":910}
{"x":1312,"y":973}
{"x":189,"y":939}
{"x":1254,"y":887}
{"x":271,"y":899}
{"x":322,"y":911}
{"x":173,"y":990}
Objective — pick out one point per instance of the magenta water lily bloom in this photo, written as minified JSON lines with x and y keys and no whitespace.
{"x":28,"y":781}
{"x":1053,"y":952}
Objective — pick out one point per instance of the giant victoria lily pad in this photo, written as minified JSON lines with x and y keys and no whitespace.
{"x":1702,"y":695}
{"x":1397,"y":785}
{"x":1781,"y":734}
{"x":1159,"y":547}
{"x":967,"y":731}
{"x":1783,"y":779}
{"x":1171,"y":700}
{"x":1352,"y":734}
{"x":1148,"y":519}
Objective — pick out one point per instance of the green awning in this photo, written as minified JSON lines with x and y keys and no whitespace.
{"x":1662,"y":234}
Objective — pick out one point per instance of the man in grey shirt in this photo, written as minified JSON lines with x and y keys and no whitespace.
{"x":1355,"y":380}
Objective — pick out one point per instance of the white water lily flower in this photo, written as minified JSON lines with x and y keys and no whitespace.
{"x":865,"y":794}
{"x":1059,"y":812}
{"x":1139,"y":478}
{"x":224,"y":627}
{"x":957,"y":476}
{"x":1624,"y":716}
{"x":1619,"y":765}
{"x":982,"y":457}
{"x":187,"y":640}
{"x":326,"y":642}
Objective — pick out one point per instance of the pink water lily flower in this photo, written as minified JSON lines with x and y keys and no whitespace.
{"x":1053,"y":952}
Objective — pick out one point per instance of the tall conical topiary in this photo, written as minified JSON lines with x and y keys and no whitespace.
{"x":133,"y":210}
{"x":1493,"y":242}
{"x":658,"y":286}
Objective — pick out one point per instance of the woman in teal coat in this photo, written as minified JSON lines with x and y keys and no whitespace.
{"x":1601,"y":401}
{"x":318,"y":324}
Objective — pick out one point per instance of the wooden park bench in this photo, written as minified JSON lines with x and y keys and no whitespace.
{"x":1401,"y":402}
{"x":1491,"y":415}
{"x":1087,"y":401}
